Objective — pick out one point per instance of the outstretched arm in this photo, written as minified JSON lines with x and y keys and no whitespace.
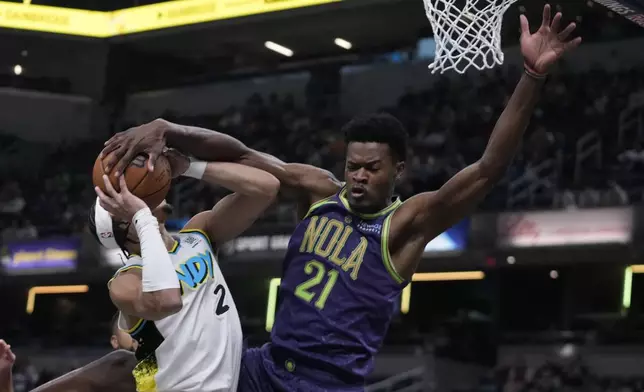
{"x":308,"y":183}
{"x":254,"y":191}
{"x":424,"y":216}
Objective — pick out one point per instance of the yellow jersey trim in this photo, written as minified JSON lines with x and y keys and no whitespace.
{"x":136,"y":327}
{"x":384,"y":211}
{"x":318,"y":204}
{"x":199,"y":231}
{"x":175,"y":247}
{"x":123,"y":269}
{"x":386,"y":256}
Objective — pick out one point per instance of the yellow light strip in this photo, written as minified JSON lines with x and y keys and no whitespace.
{"x":405,"y":297}
{"x":446,"y":276}
{"x":627,"y":289}
{"x":637,"y":268}
{"x":31,"y":297}
{"x":97,"y":24}
{"x":272,"y":303}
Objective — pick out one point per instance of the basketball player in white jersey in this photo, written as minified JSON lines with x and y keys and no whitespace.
{"x":171,"y":293}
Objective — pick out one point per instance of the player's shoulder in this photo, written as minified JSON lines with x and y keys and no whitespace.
{"x":132,"y":261}
{"x":192,"y":238}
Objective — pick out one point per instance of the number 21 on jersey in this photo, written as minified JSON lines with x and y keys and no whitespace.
{"x":319,"y":276}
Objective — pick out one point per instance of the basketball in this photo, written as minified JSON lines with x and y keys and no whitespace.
{"x":152,"y":188}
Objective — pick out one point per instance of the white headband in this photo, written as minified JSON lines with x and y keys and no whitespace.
{"x":104,"y":229}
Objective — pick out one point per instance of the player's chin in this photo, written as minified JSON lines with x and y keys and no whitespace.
{"x":359,"y":203}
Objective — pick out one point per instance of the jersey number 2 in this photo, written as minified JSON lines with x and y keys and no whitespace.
{"x":221,"y":308}
{"x":303,"y":289}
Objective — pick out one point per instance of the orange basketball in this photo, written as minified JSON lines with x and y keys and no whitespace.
{"x":152,"y":188}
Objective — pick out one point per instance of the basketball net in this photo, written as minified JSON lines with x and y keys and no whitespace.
{"x":466,"y":36}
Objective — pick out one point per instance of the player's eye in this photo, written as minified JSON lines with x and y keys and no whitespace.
{"x":352,"y":167}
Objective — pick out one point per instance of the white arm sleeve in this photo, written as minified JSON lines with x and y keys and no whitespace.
{"x":158,"y":272}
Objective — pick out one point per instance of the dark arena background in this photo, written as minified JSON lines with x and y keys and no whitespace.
{"x":540,"y":290}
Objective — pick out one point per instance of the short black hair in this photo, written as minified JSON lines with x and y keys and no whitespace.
{"x":379,"y":128}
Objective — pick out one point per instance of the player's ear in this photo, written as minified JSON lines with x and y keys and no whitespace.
{"x":114,"y":342}
{"x":400,"y":170}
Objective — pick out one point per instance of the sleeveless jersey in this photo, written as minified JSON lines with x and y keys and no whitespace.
{"x":337,"y":295}
{"x":199,"y":348}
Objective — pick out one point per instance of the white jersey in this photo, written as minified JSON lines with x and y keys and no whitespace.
{"x":199,"y":348}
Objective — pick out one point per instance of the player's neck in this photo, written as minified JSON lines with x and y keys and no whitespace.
{"x":167,"y":240}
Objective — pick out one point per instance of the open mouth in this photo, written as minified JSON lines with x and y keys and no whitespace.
{"x":357,"y":192}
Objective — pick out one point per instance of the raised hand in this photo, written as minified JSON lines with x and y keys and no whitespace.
{"x":548,"y":44}
{"x":7,"y":358}
{"x":122,"y":205}
{"x":123,"y":147}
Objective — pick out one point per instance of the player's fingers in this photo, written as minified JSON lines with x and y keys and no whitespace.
{"x":567,"y":31}
{"x":525,"y":25}
{"x":152,"y":159}
{"x":123,"y":185}
{"x":572,"y":44}
{"x":108,"y":149}
{"x":109,"y":188}
{"x":110,"y":140}
{"x":124,"y":160}
{"x":117,"y":151}
{"x":556,"y":22}
{"x":105,"y":201}
{"x":545,"y":21}
{"x":107,"y":206}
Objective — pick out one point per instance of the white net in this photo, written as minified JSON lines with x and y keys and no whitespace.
{"x":467,"y":33}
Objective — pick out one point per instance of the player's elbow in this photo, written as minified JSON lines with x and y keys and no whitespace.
{"x":267,"y":187}
{"x":272,"y":187}
{"x":161,"y":304}
{"x":491,"y":169}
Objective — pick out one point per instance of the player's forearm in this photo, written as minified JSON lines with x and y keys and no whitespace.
{"x":204,"y":144}
{"x":208,"y":145}
{"x":510,"y":127}
{"x":159,"y":284}
{"x":6,"y":381}
{"x":242,"y":179}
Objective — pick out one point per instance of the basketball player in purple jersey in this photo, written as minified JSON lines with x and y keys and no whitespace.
{"x":356,"y":246}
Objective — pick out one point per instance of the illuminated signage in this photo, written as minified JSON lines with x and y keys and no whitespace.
{"x":565,"y":228}
{"x":454,"y":239}
{"x":137,"y":19}
{"x":39,"y":255}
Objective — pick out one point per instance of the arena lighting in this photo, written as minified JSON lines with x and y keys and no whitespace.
{"x":627,"y":287}
{"x":638,"y":268}
{"x":343,"y":43}
{"x":60,"y":20}
{"x":283,"y":50}
{"x":405,"y":297}
{"x":69,"y":289}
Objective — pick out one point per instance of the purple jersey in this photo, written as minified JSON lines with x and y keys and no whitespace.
{"x":338,"y":294}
